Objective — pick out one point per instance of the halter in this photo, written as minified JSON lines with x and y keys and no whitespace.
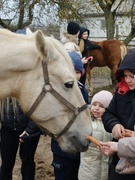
{"x":47,"y":87}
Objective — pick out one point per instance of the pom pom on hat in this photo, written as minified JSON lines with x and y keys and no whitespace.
{"x":77,"y":62}
{"x":73,"y":28}
{"x":104,"y":97}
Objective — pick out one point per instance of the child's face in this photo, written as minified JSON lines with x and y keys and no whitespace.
{"x":85,"y":35}
{"x":97,"y":109}
{"x":130,"y":79}
{"x":78,"y":75}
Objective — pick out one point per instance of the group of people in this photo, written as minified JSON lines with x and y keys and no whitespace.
{"x":112,"y":117}
{"x":76,"y":40}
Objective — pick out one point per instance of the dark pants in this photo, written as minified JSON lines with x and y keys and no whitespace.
{"x":65,"y":168}
{"x":9,"y":146}
{"x":83,"y":77}
{"x":113,"y":175}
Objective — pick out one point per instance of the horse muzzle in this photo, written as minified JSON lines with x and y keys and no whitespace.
{"x":74,"y":144}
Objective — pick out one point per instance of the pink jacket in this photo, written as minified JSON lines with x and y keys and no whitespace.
{"x":126,"y":147}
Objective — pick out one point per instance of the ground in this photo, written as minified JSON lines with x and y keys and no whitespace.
{"x":43,"y":157}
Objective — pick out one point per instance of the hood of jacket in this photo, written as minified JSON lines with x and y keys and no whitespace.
{"x":82,"y":30}
{"x":128,"y":63}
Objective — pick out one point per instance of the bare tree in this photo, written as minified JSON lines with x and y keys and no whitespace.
{"x":21,"y":13}
{"x":111,"y":14}
{"x":45,"y":13}
{"x":132,"y":32}
{"x":68,"y":9}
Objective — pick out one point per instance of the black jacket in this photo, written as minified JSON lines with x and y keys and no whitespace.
{"x":122,"y":107}
{"x":121,"y":110}
{"x":87,"y":44}
{"x":18,"y":122}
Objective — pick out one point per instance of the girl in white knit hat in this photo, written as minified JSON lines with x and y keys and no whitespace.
{"x":94,"y":165}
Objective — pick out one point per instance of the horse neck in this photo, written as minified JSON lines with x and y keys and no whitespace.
{"x":9,"y":86}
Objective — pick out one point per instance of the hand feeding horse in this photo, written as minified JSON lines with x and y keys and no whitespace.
{"x":111,"y":54}
{"x":38,"y":72}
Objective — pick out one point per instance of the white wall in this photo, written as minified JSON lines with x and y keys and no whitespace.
{"x":98,"y":34}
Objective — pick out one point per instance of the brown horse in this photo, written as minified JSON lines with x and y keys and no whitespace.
{"x":111,"y":54}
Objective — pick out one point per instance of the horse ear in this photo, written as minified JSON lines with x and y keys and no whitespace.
{"x":28,"y":32}
{"x":40,"y":43}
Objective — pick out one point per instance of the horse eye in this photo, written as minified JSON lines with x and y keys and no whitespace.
{"x":69,"y":84}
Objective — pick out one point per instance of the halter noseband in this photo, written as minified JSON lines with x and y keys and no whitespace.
{"x":47,"y":87}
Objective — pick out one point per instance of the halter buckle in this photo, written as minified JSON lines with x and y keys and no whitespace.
{"x":77,"y":111}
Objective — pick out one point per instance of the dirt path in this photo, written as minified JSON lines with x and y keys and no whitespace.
{"x":43,"y":159}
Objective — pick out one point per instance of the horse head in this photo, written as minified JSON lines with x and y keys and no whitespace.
{"x":36,"y":64}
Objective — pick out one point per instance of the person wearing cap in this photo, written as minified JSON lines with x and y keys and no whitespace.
{"x":120,"y":114}
{"x":85,"y":45}
{"x":66,"y":165}
{"x":94,"y":164}
{"x":70,"y":38}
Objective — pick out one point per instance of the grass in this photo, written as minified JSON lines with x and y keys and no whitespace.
{"x":108,"y":88}
{"x":102,"y":72}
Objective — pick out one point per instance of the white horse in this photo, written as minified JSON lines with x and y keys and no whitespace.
{"x":34,"y":64}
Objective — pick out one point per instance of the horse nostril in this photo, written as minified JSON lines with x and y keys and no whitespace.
{"x":80,"y":145}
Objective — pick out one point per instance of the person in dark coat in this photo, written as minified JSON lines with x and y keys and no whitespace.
{"x":66,"y":165}
{"x":17,"y":132}
{"x":120,"y":114}
{"x":85,"y":45}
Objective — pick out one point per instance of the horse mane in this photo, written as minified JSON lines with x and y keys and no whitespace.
{"x":58,"y":48}
{"x":48,"y":47}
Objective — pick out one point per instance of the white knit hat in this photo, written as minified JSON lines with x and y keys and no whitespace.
{"x":104,"y":97}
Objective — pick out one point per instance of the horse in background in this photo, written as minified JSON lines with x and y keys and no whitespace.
{"x":111,"y":54}
{"x":38,"y":72}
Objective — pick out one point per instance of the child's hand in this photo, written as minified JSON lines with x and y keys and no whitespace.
{"x":128,"y":133}
{"x":85,"y":60}
{"x":108,"y":148}
{"x":90,"y":58}
{"x":23,"y":134}
{"x":117,"y":131}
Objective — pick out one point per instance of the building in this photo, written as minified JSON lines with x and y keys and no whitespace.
{"x":94,"y":20}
